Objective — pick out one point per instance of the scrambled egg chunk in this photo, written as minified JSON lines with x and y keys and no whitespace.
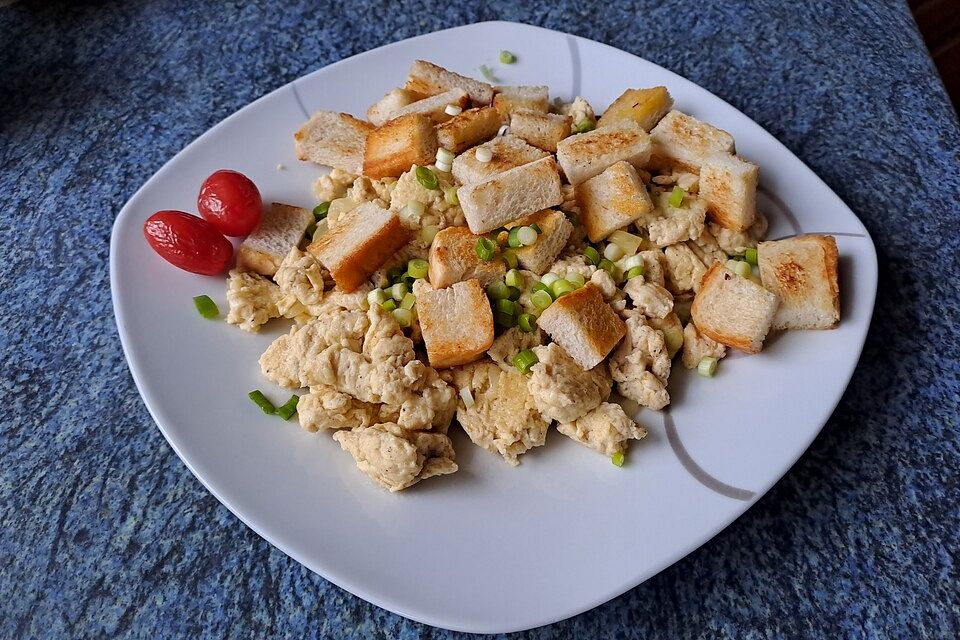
{"x":697,"y":346}
{"x":437,"y":210}
{"x":333,"y":185}
{"x":511,"y":342}
{"x":252,"y":300}
{"x":649,"y":298}
{"x":684,"y":268}
{"x":641,"y":365}
{"x":605,"y":429}
{"x":736,"y":242}
{"x":396,"y":458}
{"x":326,"y":408}
{"x":561,"y":390}
{"x":300,"y":278}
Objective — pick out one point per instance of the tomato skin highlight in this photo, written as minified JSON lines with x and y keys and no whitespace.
{"x":231,"y":202}
{"x":188,"y":242}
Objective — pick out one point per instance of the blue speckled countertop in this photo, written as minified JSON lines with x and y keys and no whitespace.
{"x":104,"y":531}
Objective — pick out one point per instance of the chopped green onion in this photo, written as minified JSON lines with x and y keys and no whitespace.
{"x":526,"y":235}
{"x":403,"y":317}
{"x":395,"y":273}
{"x":513,"y":239}
{"x":607,"y":266}
{"x":507,"y":306}
{"x":618,"y":459}
{"x":450,"y":195}
{"x":408,"y":301}
{"x":498,"y":290}
{"x":510,"y":257}
{"x":592,"y":255}
{"x":634,"y":272}
{"x":576,"y":278}
{"x":377,"y":296}
{"x":562,"y":287}
{"x":467,"y":396}
{"x":536,"y":228}
{"x":583,"y":126}
{"x":485,"y":249}
{"x":507,"y":58}
{"x":524,"y":360}
{"x":261,"y":401}
{"x":515,"y":293}
{"x":389,"y":304}
{"x":549,"y":278}
{"x":418,"y":268}
{"x":320,"y":211}
{"x":527,"y":322}
{"x":499,"y":235}
{"x":539,"y":286}
{"x":427,"y":178}
{"x":573,"y":218}
{"x":505,"y":313}
{"x":612,"y":252}
{"x":541,"y":299}
{"x":413,"y":210}
{"x":707,"y":366}
{"x":674,"y":340}
{"x":445,"y":155}
{"x":740,"y":267}
{"x":676,"y":197}
{"x":288,"y":408}
{"x":514,"y":278}
{"x":505,"y":320}
{"x":750,"y":255}
{"x":319,"y":229}
{"x":633,"y":261}
{"x":399,"y":290}
{"x":408,"y":279}
{"x":206,"y":306}
{"x":487,"y":74}
{"x":428,"y":233}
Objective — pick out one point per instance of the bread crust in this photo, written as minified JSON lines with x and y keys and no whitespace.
{"x":804,"y":273}
{"x":398,"y":145}
{"x":456,"y":322}
{"x":711,"y":281}
{"x":584,"y":325}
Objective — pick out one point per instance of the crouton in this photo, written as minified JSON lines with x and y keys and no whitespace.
{"x":644,"y":106}
{"x":729,"y":186}
{"x":453,"y":258}
{"x":733,"y":310}
{"x":555,"y":229}
{"x":457,"y":322}
{"x":543,"y":130}
{"x":510,"y":195}
{"x":360,"y":244}
{"x":802,"y":272}
{"x":584,"y":325}
{"x":683,"y":142}
{"x":676,"y":224}
{"x":684,"y":269}
{"x":384,"y":109}
{"x":587,"y":154}
{"x":281,"y":228}
{"x":466,"y":129}
{"x":508,"y":151}
{"x":507,"y":100}
{"x":612,"y":200}
{"x":333,"y":140}
{"x":398,"y":145}
{"x":430,"y":79}
{"x":435,"y":106}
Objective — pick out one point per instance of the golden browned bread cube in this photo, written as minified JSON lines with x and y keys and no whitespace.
{"x":398,"y":145}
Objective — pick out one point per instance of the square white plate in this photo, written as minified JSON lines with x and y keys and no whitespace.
{"x":490,"y":548}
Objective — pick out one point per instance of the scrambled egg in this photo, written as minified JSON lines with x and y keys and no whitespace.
{"x":333,"y":185}
{"x":641,"y":365}
{"x":684,"y":268}
{"x":326,"y":408}
{"x":561,"y":390}
{"x":252,"y":299}
{"x":649,"y":298}
{"x":511,"y":342}
{"x":301,"y":281}
{"x":736,"y":242}
{"x":605,"y":429}
{"x":697,"y":346}
{"x":437,"y":211}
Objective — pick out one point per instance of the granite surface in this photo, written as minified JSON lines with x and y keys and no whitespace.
{"x":106,"y":534}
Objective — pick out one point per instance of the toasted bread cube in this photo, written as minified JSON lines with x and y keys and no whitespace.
{"x":360,"y":244}
{"x":430,"y":79}
{"x":644,"y":106}
{"x":588,"y":154}
{"x":612,"y":200}
{"x":281,"y":228}
{"x":511,"y":195}
{"x":509,"y":151}
{"x":676,"y":224}
{"x":398,"y":145}
{"x":466,"y":129}
{"x":733,"y":310}
{"x":386,"y":107}
{"x":802,"y":272}
{"x":543,"y":130}
{"x":453,"y":258}
{"x":681,"y":142}
{"x":729,"y":186}
{"x":555,"y":230}
{"x":584,"y":325}
{"x":507,"y":99}
{"x":333,"y":140}
{"x":457,"y":322}
{"x":435,"y":106}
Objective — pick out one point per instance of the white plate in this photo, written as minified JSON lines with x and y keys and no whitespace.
{"x":490,"y":548}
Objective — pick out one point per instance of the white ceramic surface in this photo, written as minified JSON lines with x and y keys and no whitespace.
{"x":490,"y":548}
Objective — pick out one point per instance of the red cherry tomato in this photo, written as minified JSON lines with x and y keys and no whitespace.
{"x":188,"y":242}
{"x":231,"y":202}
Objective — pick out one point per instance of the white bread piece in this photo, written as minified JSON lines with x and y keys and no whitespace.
{"x":587,"y":154}
{"x":584,"y":325}
{"x":543,"y":130}
{"x":511,"y":195}
{"x":398,"y":145}
{"x":644,"y":106}
{"x":509,"y":151}
{"x":612,"y":200}
{"x":453,"y":258}
{"x":509,"y":99}
{"x":733,"y":310}
{"x":729,"y":186}
{"x":430,"y":79}
{"x":681,"y":142}
{"x":802,"y":272}
{"x":435,"y":106}
{"x":456,"y":322}
{"x":466,"y":129}
{"x":386,"y":107}
{"x":360,"y":244}
{"x":555,"y":231}
{"x":281,"y":228}
{"x":333,"y":140}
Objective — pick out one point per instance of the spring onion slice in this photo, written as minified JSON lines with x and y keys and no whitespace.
{"x":288,"y":408}
{"x":515,"y":294}
{"x":583,"y":126}
{"x":389,"y":304}
{"x":498,"y":290}
{"x":526,"y":235}
{"x":524,"y":360}
{"x":408,"y":301}
{"x":427,"y":178}
{"x":527,"y":322}
{"x":707,"y":366}
{"x":261,"y":401}
{"x":403,"y":317}
{"x":510,"y":257}
{"x":377,"y":296}
{"x":513,"y":238}
{"x":485,"y":249}
{"x":418,"y":268}
{"x":445,"y":155}
{"x":541,"y":299}
{"x":450,"y":195}
{"x":750,"y":255}
{"x":453,"y":110}
{"x":428,"y":233}
{"x":320,"y":211}
{"x":562,"y":287}
{"x":592,"y":255}
{"x":536,"y":228}
{"x":612,"y":252}
{"x":576,"y":278}
{"x":206,"y":307}
{"x":618,"y":459}
{"x":634,"y":272}
{"x":399,"y":290}
{"x":514,"y":278}
{"x":484,"y":154}
{"x":507,"y":58}
{"x":676,"y":197}
{"x":487,"y":74}
{"x":394,"y":273}
{"x":633,"y":261}
{"x":467,"y":397}
{"x":549,"y":278}
{"x":507,"y":306}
